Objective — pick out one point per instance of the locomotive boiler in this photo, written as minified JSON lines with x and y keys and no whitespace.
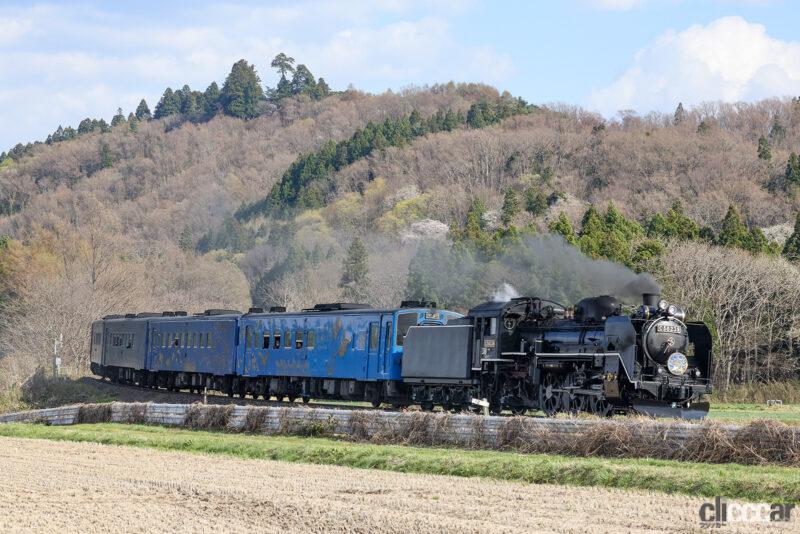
{"x":529,"y":353}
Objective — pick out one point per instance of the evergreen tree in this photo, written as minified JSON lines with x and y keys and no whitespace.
{"x":185,"y":240}
{"x":303,"y":81}
{"x":355,"y":272}
{"x":563,"y":227}
{"x":283,"y":64}
{"x":680,"y":114}
{"x":103,"y":126}
{"x":535,"y":201}
{"x":133,"y":122}
{"x":143,"y":111}
{"x":117,"y":119}
{"x":510,"y":207}
{"x":242,"y":91}
{"x":791,"y":249}
{"x":170,"y":104}
{"x":777,"y":132}
{"x":733,"y":233}
{"x":704,"y":127}
{"x":106,"y":158}
{"x":211,"y":99}
{"x":474,"y":225}
{"x":87,"y":125}
{"x":188,"y":100}
{"x":676,"y":225}
{"x":793,"y":170}
{"x":323,"y":89}
{"x":764,"y":150}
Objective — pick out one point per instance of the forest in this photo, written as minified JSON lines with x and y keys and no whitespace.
{"x":242,"y":195}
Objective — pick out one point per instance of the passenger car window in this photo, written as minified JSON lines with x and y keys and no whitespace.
{"x":361,"y":340}
{"x":298,"y":339}
{"x":266,"y":340}
{"x":277,"y":343}
{"x":312,"y":337}
{"x":404,"y":322}
{"x":374,"y":336}
{"x":287,"y":339}
{"x":208,"y":340}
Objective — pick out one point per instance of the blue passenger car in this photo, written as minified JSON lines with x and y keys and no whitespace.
{"x":329,"y":351}
{"x":337,"y":351}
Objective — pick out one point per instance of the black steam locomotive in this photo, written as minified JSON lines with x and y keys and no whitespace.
{"x":529,"y":353}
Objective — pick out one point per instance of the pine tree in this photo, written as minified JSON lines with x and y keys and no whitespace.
{"x":303,"y":81}
{"x":119,"y":118}
{"x":170,"y":104}
{"x":791,"y":249}
{"x":355,"y":272}
{"x":143,"y":111}
{"x":764,"y":150}
{"x":733,"y":233}
{"x":793,"y":170}
{"x":283,"y":64}
{"x":133,"y":122}
{"x":535,"y":201}
{"x":563,"y":227}
{"x":510,"y":207}
{"x":242,"y":91}
{"x":106,"y":158}
{"x":211,"y":99}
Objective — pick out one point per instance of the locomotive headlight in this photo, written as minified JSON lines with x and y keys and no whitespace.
{"x":672,"y":309}
{"x":662,"y":305}
{"x":677,"y":364}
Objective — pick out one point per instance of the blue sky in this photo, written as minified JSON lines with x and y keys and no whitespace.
{"x":61,"y":62}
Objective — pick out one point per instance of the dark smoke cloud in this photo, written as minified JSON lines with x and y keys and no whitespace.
{"x":546,"y":267}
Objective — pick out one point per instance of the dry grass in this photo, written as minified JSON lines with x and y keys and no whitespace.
{"x":102,"y":488}
{"x":93,"y":413}
{"x":756,"y":443}
{"x":208,"y":417}
{"x":134,"y":413}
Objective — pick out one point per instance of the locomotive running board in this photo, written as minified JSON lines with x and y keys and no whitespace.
{"x":656,"y":409}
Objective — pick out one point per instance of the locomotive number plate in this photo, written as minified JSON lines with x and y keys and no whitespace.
{"x":668,"y":329}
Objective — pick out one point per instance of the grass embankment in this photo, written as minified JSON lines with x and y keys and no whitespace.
{"x":45,"y":392}
{"x":754,"y":483}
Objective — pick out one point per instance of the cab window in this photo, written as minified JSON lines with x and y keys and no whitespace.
{"x":404,"y":322}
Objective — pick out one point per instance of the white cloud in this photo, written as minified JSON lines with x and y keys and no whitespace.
{"x":729,"y":59}
{"x":12,"y":28}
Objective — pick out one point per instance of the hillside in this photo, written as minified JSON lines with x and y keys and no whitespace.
{"x":191,"y":210}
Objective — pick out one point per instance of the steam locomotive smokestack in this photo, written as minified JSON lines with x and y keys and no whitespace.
{"x":651,"y":299}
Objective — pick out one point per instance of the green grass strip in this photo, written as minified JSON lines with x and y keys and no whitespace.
{"x":752,"y":483}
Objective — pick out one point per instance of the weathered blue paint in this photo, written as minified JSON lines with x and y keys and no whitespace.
{"x":200,"y":344}
{"x":364,"y":345}
{"x":351,"y":344}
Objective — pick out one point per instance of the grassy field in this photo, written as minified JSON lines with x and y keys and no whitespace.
{"x":743,"y":482}
{"x":742,"y":413}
